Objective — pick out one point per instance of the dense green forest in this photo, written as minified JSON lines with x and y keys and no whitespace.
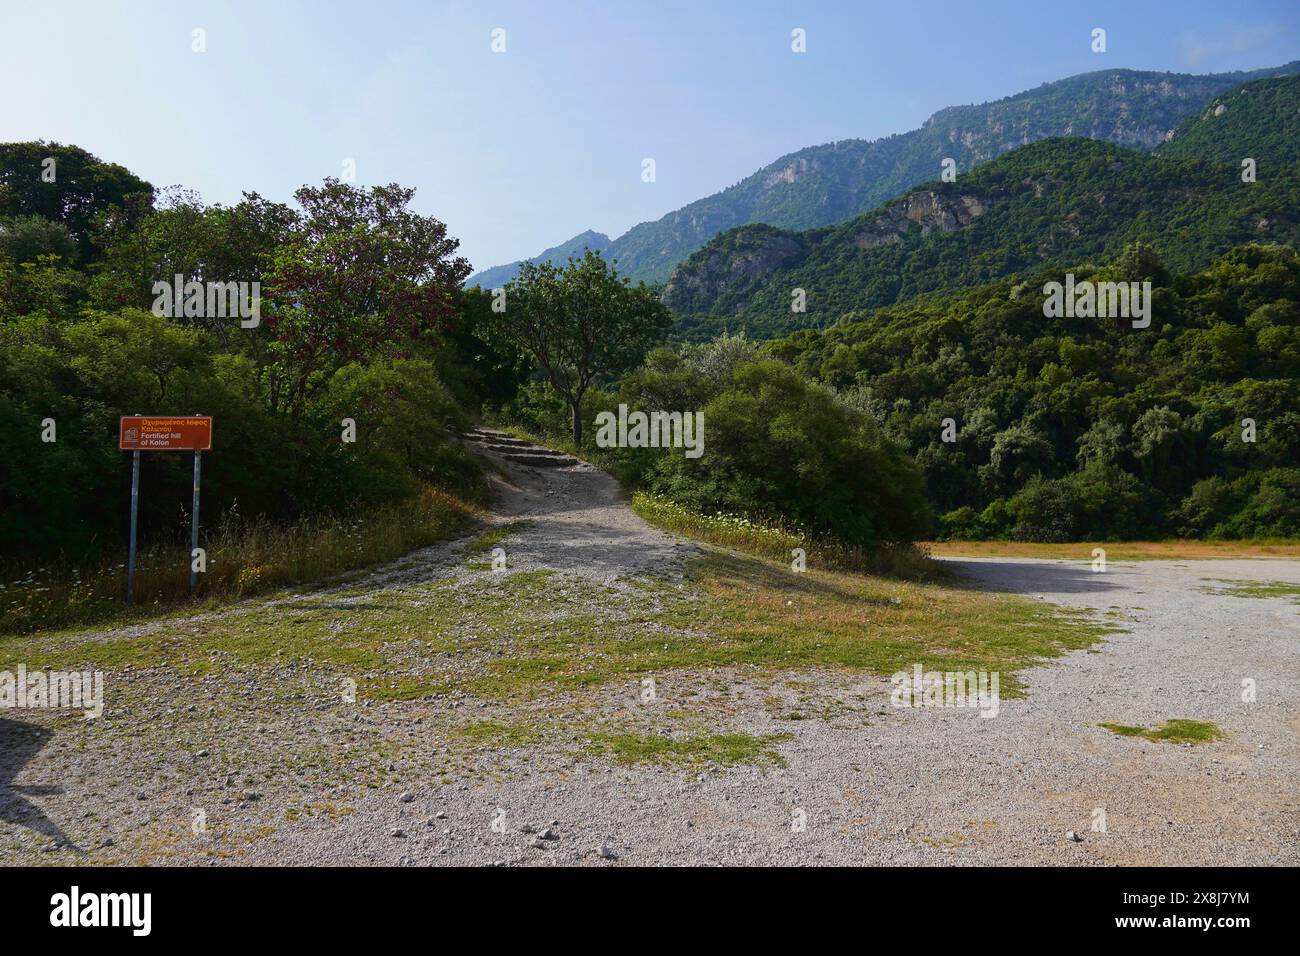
{"x":1259,"y":120}
{"x":1067,"y":428}
{"x":1056,"y":202}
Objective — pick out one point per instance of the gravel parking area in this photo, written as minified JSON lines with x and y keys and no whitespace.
{"x":228,"y":767}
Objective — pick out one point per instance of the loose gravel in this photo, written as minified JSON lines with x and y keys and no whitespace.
{"x":273,"y":767}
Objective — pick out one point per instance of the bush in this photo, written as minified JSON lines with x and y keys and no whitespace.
{"x":1099,"y":502}
{"x":777,"y":446}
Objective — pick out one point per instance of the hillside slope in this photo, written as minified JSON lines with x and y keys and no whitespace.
{"x":1259,"y":120}
{"x":1065,"y":428}
{"x":1054,"y":202}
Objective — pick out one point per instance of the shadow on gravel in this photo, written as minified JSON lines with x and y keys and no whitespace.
{"x":1027,"y":577}
{"x":19,"y":743}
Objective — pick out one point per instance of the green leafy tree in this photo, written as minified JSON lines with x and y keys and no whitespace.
{"x":361,"y":273}
{"x":580,"y":323}
{"x":76,"y":190}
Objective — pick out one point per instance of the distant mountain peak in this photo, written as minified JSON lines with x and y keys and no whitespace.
{"x":827,"y":184}
{"x":498,"y":276}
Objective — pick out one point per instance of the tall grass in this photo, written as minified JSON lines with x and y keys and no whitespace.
{"x":244,"y":557}
{"x":902,"y":560}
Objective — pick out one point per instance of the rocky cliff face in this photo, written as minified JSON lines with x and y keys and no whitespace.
{"x":924,"y":208}
{"x":742,"y":265}
{"x":722,"y":274}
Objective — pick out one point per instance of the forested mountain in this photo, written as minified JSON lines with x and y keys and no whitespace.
{"x":1071,"y":428}
{"x":1049,"y":203}
{"x":827,"y":184}
{"x":1259,"y":120}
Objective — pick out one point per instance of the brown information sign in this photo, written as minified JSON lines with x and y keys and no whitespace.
{"x":154,"y":433}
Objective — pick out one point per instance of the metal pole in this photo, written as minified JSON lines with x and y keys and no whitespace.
{"x":194,"y":525}
{"x":135,"y":510}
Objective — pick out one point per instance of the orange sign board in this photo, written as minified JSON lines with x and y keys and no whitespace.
{"x":155,"y":433}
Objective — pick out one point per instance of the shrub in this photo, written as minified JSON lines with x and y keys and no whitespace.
{"x":778,"y":446}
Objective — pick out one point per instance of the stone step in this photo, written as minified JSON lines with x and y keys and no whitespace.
{"x":548,"y":460}
{"x":506,"y":443}
{"x":524,"y":449}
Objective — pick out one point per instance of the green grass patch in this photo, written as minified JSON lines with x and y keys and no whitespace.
{"x":1255,"y":589}
{"x":1173,"y":731}
{"x":492,"y":537}
{"x":528,"y":634}
{"x":724,"y":750}
{"x":495,"y":733}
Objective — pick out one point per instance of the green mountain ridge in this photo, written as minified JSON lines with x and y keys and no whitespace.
{"x":1049,"y":203}
{"x":1258,"y":120}
{"x":826,"y":184}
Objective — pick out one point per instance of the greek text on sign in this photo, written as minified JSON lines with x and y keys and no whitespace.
{"x":153,"y":433}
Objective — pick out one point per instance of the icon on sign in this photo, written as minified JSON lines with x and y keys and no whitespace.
{"x":132,"y":434}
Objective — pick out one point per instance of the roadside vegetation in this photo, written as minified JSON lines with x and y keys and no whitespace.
{"x":333,"y":406}
{"x":245,"y":558}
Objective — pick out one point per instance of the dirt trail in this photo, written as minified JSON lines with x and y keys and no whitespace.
{"x":282,"y":772}
{"x":577,"y":517}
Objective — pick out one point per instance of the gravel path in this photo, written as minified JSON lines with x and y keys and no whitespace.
{"x":258,"y":762}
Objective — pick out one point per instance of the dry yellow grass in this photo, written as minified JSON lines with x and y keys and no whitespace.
{"x":1117,"y":550}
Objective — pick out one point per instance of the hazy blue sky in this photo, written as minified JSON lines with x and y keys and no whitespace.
{"x":521,"y":150}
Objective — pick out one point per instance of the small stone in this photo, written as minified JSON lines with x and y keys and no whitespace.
{"x":1074,"y":837}
{"x":201,"y":753}
{"x":441,"y":814}
{"x":606,"y":852}
{"x":548,"y":834}
{"x":407,"y":797}
{"x":396,"y":833}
